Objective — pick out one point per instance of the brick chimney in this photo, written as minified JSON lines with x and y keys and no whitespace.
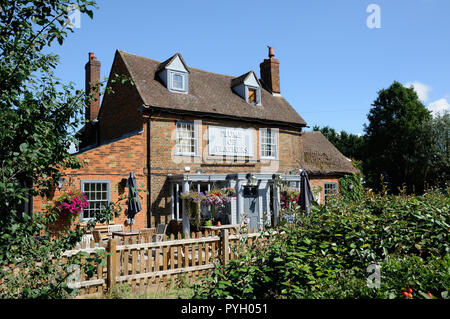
{"x":270,"y":72}
{"x":92,"y":78}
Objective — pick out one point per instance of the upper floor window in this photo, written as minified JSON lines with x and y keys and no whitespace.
{"x":98,"y":195}
{"x":174,"y":74}
{"x":268,"y":143}
{"x":252,"y":98}
{"x":178,"y":81}
{"x":248,"y":87}
{"x":186,"y":138}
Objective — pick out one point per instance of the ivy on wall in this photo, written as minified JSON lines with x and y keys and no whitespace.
{"x":350,"y":188}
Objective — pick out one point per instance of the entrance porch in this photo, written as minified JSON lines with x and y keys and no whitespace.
{"x":257,"y":196}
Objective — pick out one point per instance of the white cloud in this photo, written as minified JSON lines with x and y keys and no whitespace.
{"x":439,"y":106}
{"x":420,"y":88}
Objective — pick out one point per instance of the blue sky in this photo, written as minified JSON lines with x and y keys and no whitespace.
{"x":331,"y":63}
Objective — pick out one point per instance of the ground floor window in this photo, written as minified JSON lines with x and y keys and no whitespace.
{"x":98,"y":194}
{"x":330,"y":189}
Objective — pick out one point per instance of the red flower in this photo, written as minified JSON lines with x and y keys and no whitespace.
{"x":430,"y":295}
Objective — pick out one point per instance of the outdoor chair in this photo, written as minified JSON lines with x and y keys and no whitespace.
{"x":160,"y":233}
{"x":98,"y":238}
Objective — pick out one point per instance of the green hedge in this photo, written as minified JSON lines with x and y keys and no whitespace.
{"x":326,"y":254}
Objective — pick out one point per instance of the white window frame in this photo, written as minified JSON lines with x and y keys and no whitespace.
{"x":172,"y":87}
{"x":274,"y":138}
{"x":108,"y":195}
{"x":335,"y":187}
{"x":182,"y":76}
{"x":195,"y":138}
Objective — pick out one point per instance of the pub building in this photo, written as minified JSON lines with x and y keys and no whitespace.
{"x":179,"y":128}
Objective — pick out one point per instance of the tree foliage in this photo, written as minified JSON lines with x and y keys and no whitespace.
{"x":350,"y":145}
{"x":38,"y":114}
{"x":395,"y":145}
{"x":403,"y":143}
{"x":436,"y":132}
{"x":38,"y":111}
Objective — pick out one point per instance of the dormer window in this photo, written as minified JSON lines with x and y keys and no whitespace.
{"x":178,"y":81}
{"x":174,"y":74}
{"x":252,"y":96}
{"x":248,"y":87}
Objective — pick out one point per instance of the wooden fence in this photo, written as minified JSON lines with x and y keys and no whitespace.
{"x":144,"y":264}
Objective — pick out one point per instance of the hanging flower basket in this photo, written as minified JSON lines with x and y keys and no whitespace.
{"x":289,"y":198}
{"x":214,"y":199}
{"x":192,"y":200}
{"x":69,"y":205}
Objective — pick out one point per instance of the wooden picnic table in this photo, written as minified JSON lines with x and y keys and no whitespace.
{"x":125,"y":234}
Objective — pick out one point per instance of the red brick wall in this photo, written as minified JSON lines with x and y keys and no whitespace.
{"x":112,"y":162}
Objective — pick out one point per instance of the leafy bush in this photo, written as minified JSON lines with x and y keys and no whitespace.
{"x":326,"y":254}
{"x":350,"y":187}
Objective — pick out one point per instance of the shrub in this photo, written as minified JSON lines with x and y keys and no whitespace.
{"x":326,"y":254}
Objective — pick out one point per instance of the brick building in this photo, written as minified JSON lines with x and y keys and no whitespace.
{"x":179,"y":128}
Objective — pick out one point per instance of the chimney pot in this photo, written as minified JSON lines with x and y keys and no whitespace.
{"x":271,"y":52}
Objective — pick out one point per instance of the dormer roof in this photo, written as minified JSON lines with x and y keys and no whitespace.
{"x":248,"y":78}
{"x":175,"y":62}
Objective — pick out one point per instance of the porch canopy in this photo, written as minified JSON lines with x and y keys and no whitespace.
{"x":266,"y":200}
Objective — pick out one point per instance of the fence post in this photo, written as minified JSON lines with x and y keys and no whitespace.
{"x":224,"y":246}
{"x":111,"y":265}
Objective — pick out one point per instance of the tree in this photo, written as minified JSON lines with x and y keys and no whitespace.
{"x":350,"y":145}
{"x":38,"y":112}
{"x":395,"y":146}
{"x":436,"y":131}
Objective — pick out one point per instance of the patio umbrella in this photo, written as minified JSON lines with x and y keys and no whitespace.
{"x":306,"y":196}
{"x":134,"y":206}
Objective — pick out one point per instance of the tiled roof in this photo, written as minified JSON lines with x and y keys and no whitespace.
{"x":322,"y":157}
{"x":209,"y":93}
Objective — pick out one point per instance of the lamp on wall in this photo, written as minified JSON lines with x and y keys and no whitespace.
{"x":278,"y":180}
{"x":252,"y":180}
{"x":61,"y":182}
